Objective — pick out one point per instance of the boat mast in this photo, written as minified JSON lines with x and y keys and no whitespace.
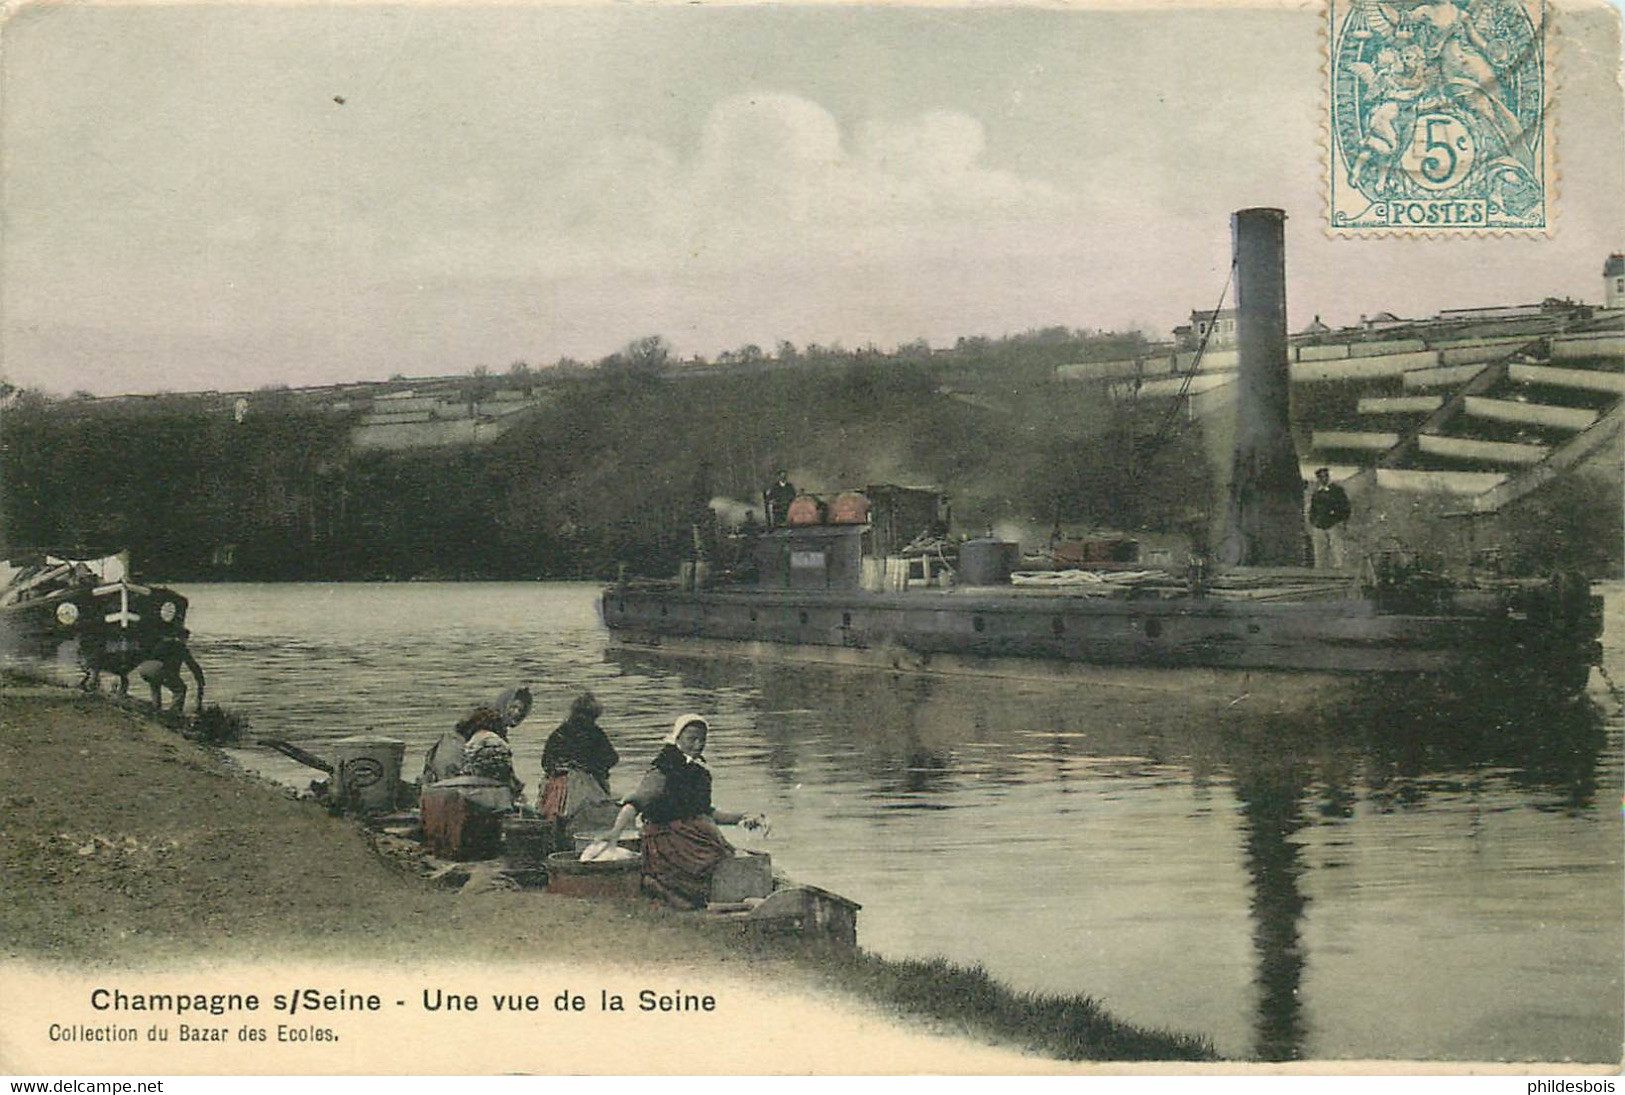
{"x":1265,"y":513}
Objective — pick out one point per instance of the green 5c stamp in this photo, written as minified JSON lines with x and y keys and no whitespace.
{"x":1438,"y":121}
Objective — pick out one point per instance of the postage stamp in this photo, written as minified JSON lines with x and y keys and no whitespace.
{"x":1437,"y":121}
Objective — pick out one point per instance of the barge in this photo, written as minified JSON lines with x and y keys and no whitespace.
{"x":838,"y":583}
{"x":88,"y":609}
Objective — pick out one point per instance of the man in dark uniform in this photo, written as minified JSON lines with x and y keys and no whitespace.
{"x":1328,"y":514}
{"x":777,"y":499}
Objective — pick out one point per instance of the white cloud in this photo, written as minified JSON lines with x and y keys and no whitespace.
{"x":770,"y":175}
{"x":769,"y":137}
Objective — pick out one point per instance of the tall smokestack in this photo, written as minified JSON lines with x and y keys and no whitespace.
{"x":1266,"y":492}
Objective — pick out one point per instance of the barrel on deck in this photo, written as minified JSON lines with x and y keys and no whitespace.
{"x":804,"y":510}
{"x":987,"y":562}
{"x":367,"y":770}
{"x":849,"y":508}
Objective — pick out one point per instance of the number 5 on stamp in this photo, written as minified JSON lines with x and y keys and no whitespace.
{"x":1437,"y":120}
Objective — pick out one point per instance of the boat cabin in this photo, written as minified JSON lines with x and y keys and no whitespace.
{"x":825,"y":545}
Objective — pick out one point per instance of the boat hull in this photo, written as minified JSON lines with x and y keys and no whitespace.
{"x":112,"y":626}
{"x":1048,"y":633}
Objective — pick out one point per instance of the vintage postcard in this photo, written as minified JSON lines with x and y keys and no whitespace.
{"x":924,"y":539}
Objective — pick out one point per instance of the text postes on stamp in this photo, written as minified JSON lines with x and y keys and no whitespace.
{"x":1437,"y":118}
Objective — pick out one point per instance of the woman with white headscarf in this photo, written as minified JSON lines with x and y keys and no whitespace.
{"x":513,"y":705}
{"x":447,"y":758}
{"x":681,"y":842}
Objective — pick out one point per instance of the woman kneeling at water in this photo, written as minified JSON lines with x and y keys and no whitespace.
{"x":681,"y":842}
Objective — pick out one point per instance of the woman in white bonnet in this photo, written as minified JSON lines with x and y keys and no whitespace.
{"x":681,"y":842}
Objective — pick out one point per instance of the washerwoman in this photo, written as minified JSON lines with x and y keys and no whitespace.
{"x":579,"y":744}
{"x":681,"y":842}
{"x":486,"y":753}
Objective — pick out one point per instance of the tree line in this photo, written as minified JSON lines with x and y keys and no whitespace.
{"x":609,"y":471}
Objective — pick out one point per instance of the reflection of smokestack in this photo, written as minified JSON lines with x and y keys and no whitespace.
{"x":1266,"y":493}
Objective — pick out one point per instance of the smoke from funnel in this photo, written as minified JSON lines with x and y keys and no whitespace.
{"x":731,"y":511}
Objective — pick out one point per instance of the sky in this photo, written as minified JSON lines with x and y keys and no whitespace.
{"x":234,"y":196}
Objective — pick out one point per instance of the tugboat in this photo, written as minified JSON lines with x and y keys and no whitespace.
{"x":87,"y":608}
{"x":836,"y":584}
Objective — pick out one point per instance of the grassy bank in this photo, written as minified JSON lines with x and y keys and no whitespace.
{"x":125,"y":845}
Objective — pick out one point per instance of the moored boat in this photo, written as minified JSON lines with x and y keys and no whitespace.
{"x":836,"y":583}
{"x":86,"y":608}
{"x":1542,"y":632}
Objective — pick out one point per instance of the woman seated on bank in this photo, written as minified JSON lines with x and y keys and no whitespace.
{"x":681,"y":842}
{"x":580,"y":745}
{"x":513,"y":705}
{"x":445,"y":758}
{"x":486,"y":753}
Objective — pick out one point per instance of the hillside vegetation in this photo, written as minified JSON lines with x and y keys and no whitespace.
{"x":608,"y":470}
{"x":611,"y":466}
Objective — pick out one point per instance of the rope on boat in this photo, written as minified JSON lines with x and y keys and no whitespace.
{"x":1081,"y":577}
{"x":1166,"y":426}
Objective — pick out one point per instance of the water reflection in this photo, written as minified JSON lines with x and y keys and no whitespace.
{"x":1411,"y":746}
{"x":1360,"y":746}
{"x":1271,"y":791}
{"x":1418,"y":744}
{"x":1399,"y":745}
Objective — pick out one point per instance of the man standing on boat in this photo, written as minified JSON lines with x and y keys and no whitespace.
{"x":1328,"y":516}
{"x":777,"y":498}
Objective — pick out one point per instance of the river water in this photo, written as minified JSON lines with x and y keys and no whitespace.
{"x":1372,"y":877}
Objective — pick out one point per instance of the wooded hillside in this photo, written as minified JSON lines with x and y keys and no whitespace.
{"x":607,"y":470}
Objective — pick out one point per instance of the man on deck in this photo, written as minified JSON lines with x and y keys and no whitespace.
{"x":777,"y":498}
{"x":1328,"y":516}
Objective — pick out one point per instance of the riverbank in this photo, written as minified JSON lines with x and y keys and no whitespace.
{"x":131,"y":858}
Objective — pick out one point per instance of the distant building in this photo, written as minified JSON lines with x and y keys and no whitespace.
{"x":1490,"y":312}
{"x":1383,"y":321}
{"x":1221,"y":324}
{"x":1613,"y":274}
